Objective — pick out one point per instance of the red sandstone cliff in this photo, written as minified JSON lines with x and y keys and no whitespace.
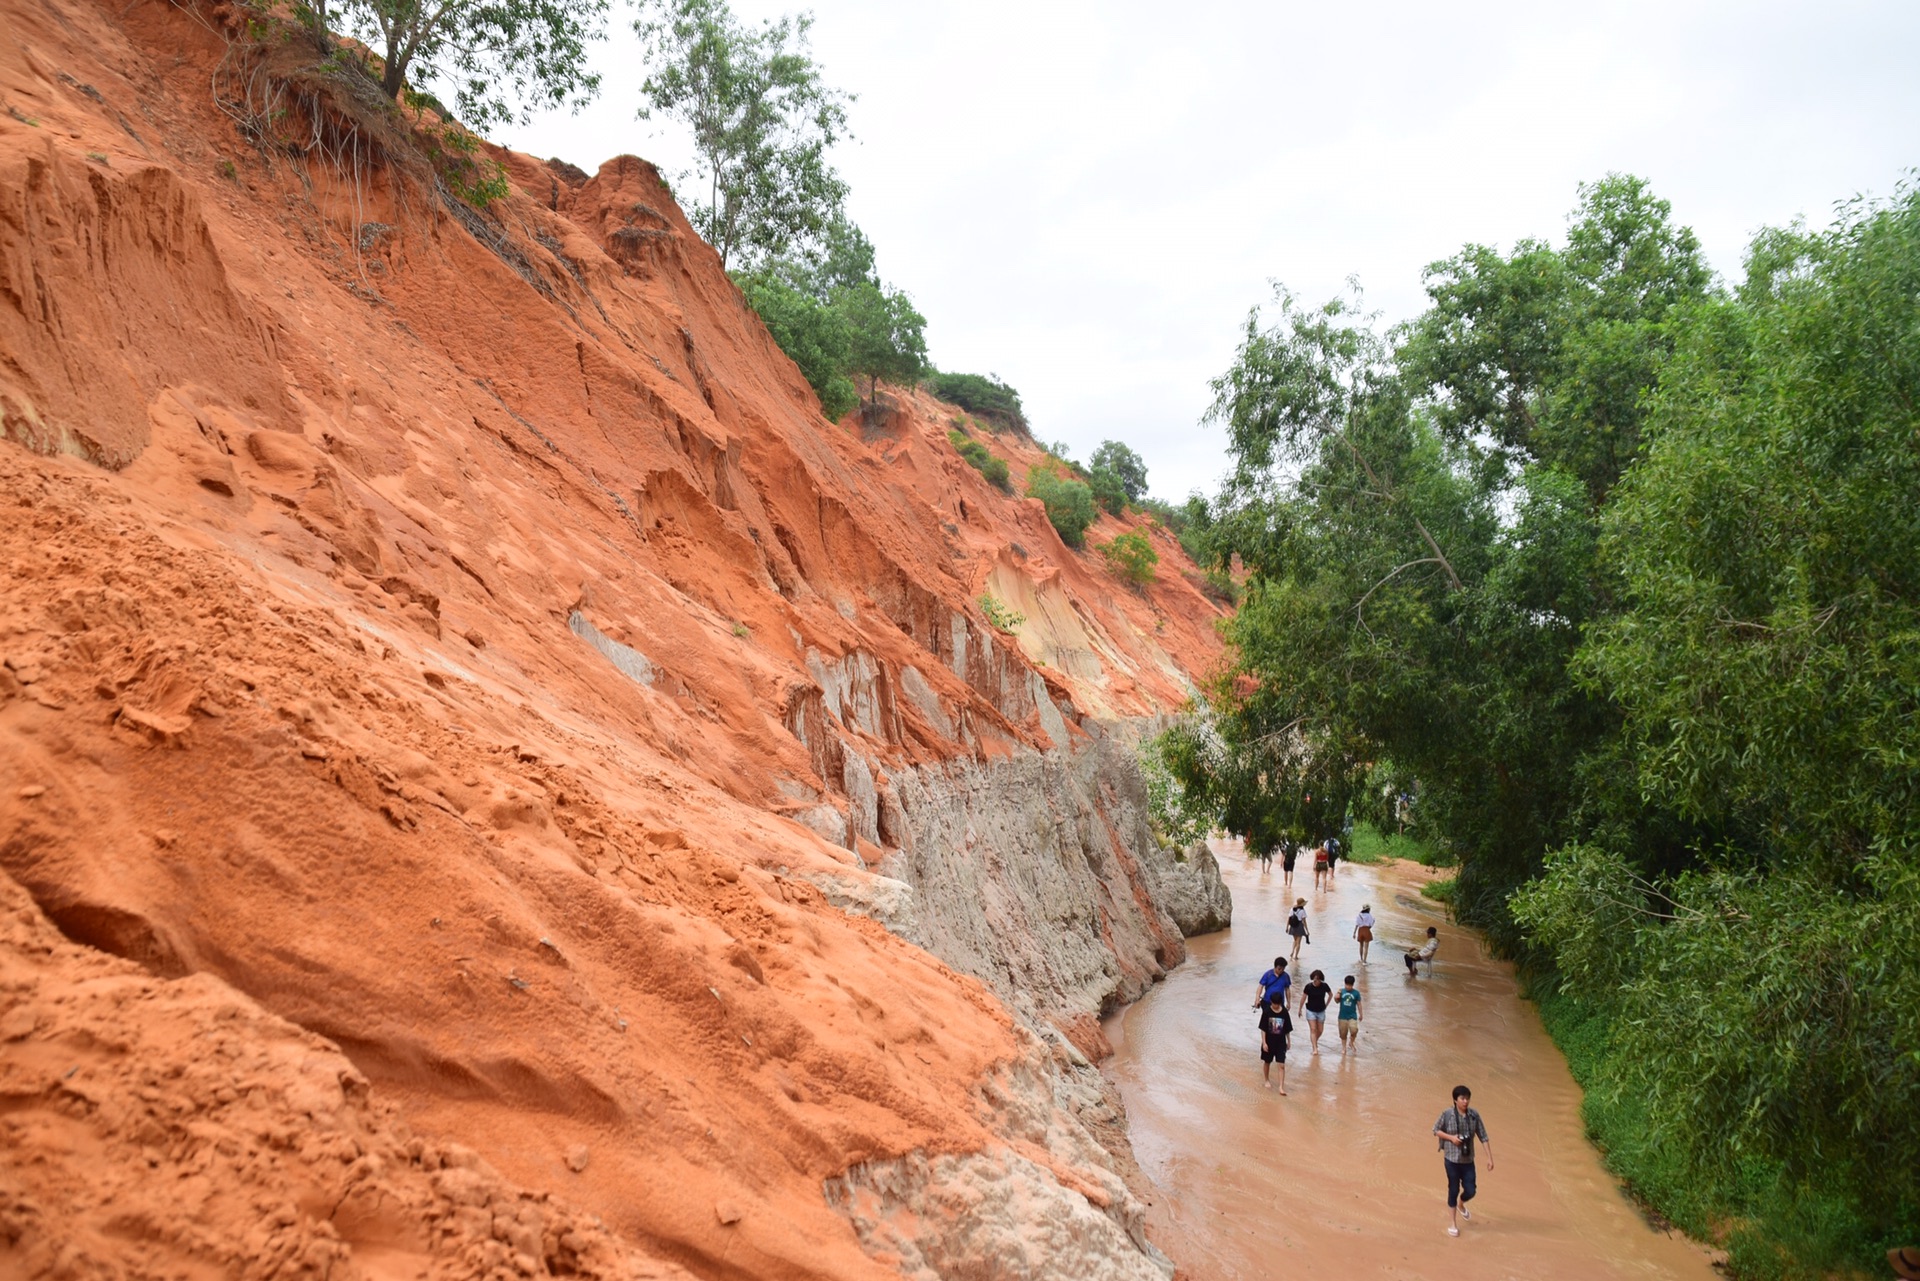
{"x":487,"y":716}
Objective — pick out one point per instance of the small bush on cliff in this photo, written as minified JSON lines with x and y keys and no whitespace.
{"x":1069,"y":503}
{"x":982,"y":460}
{"x":1131,"y":556}
{"x":455,"y":154}
{"x":982,"y":395}
{"x":999,"y":615}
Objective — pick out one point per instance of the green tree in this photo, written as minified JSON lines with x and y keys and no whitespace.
{"x":1108,"y":489}
{"x":761,"y":117}
{"x":888,"y":337}
{"x":504,"y":59}
{"x":1128,"y":467}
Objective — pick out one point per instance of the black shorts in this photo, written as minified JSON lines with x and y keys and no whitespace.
{"x":1268,"y":1054}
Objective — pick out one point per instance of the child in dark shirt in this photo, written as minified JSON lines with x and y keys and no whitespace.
{"x":1275,"y":1027}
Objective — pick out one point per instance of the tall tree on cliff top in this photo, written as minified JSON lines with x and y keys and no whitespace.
{"x":762,"y":121}
{"x":503,"y":58}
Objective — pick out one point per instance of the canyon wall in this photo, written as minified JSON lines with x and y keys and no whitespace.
{"x":491,"y":782}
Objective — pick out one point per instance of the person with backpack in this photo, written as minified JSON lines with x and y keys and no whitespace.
{"x":1274,"y":981}
{"x":1315,"y":995}
{"x":1349,"y":1021}
{"x":1297,"y":926}
{"x":1457,"y":1129}
{"x":1275,"y":1028}
{"x":1333,"y":857}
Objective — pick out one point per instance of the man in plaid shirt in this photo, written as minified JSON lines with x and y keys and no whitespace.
{"x":1457,"y":1129}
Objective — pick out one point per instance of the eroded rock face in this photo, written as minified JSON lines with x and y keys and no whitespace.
{"x":1051,"y":1202}
{"x":1188,"y":885}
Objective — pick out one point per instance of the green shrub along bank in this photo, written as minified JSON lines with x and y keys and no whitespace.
{"x":1619,"y":567}
{"x":1773,"y":1228}
{"x":982,"y":396}
{"x":1069,"y":503}
{"x":982,"y":460}
{"x":1131,"y":556}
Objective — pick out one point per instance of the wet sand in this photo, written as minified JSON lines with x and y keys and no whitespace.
{"x":1341,"y":1179}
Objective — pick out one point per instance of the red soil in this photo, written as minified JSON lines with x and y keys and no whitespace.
{"x":309,"y":495}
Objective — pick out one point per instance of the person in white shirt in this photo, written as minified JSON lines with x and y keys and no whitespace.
{"x":1425,"y":953}
{"x":1363,"y":930}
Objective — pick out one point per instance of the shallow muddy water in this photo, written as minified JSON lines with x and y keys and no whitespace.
{"x":1341,"y":1179}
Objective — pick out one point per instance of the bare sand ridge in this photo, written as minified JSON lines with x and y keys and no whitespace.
{"x":1341,"y":1178}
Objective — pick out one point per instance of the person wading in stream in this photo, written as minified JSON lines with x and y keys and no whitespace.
{"x":1274,"y":982}
{"x":1457,"y":1129}
{"x":1275,"y":1028}
{"x":1363,"y":930}
{"x":1289,"y":853}
{"x":1322,"y":866}
{"x":1315,"y":994}
{"x":1349,"y":999}
{"x":1297,"y":926}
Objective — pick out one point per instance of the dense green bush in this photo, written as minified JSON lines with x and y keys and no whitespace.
{"x":982,"y":395}
{"x":1131,"y":556}
{"x":982,"y":460}
{"x":1069,"y":503}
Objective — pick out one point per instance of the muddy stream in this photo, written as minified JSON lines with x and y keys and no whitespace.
{"x":1341,"y":1179}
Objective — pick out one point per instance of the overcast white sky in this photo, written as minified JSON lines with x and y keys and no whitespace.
{"x":1086,"y":198}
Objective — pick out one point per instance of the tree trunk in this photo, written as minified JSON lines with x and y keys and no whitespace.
{"x":393,"y":77}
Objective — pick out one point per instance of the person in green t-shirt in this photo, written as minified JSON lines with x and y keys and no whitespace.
{"x":1348,"y":999}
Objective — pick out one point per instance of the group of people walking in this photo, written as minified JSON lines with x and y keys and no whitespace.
{"x":1325,"y":855}
{"x":1459,"y":1131}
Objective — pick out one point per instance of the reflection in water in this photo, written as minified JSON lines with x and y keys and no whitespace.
{"x":1341,"y":1179}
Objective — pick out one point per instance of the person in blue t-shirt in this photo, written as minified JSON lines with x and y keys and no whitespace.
{"x":1274,"y":982}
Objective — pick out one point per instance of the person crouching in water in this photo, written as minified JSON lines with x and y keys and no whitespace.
{"x":1425,"y":952}
{"x":1275,"y":1028}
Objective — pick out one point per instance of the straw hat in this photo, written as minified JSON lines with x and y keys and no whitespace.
{"x":1906,"y":1262}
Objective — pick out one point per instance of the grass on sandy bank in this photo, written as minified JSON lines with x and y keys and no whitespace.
{"x":1371,"y":845}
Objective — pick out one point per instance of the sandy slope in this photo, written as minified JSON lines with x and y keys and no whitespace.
{"x":460,"y":638}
